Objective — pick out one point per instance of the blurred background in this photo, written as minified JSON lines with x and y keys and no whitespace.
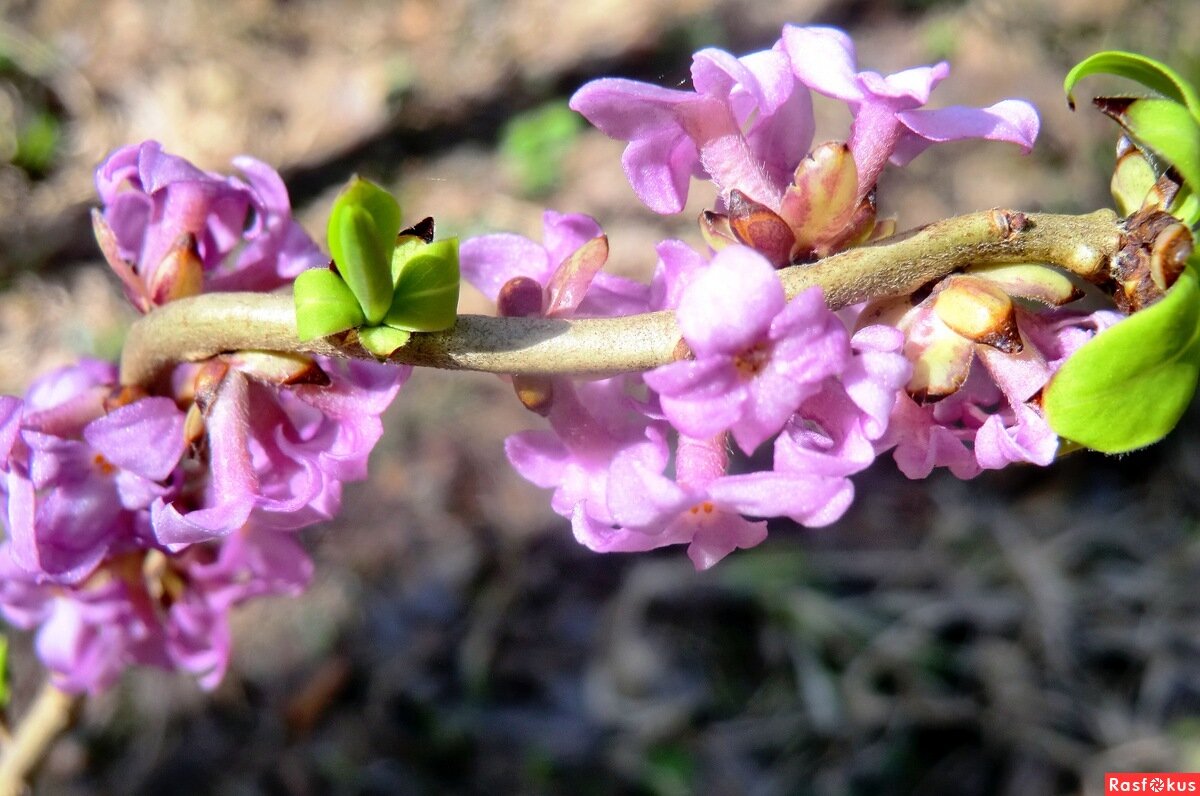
{"x":1020,"y":633}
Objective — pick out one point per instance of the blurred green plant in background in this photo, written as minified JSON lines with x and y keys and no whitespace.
{"x":534,"y":145}
{"x":30,"y":127}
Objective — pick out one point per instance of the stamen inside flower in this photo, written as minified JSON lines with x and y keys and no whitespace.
{"x":165,"y":582}
{"x":750,"y":362}
{"x":104,"y":465}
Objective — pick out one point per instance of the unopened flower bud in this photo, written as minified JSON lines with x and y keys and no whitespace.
{"x":757,"y":226}
{"x":822,"y":197}
{"x":979,"y":311}
{"x":1039,"y":283}
{"x":278,"y":368}
{"x":715,"y":229}
{"x":941,"y":358}
{"x":207,"y":381}
{"x":1132,"y":181}
{"x":179,"y":275}
{"x":520,"y":297}
{"x":535,"y":392}
{"x":193,"y":425}
{"x":574,"y":275}
{"x":123,"y":397}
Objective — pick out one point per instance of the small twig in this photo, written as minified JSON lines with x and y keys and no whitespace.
{"x":203,"y":326}
{"x":50,"y":714}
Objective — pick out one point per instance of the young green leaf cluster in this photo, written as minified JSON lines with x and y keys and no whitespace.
{"x":383,"y":282}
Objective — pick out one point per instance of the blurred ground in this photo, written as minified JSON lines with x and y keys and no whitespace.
{"x":1017,"y":634}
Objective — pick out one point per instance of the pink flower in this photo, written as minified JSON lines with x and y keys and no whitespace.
{"x":823,"y":444}
{"x":827,"y":440}
{"x":567,"y":267}
{"x":170,"y":230}
{"x":79,"y":473}
{"x":278,"y":453}
{"x":889,"y":123}
{"x":993,"y":419}
{"x":653,"y":511}
{"x":150,"y":608}
{"x":745,"y":126}
{"x":757,"y":356}
{"x":590,"y":425}
{"x":590,"y":422}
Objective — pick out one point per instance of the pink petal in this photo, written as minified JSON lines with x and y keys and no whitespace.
{"x":639,"y":496}
{"x":699,"y":398}
{"x":730,"y":305}
{"x":10,"y":424}
{"x":538,"y":457}
{"x":659,"y":170}
{"x":721,"y":535}
{"x":812,"y":501}
{"x":603,"y":538}
{"x":724,"y":151}
{"x":611,"y":295}
{"x":628,"y":109}
{"x":764,"y":77}
{"x":773,"y":399}
{"x":564,"y":233}
{"x":824,"y":60}
{"x":781,"y":139}
{"x":144,"y":437}
{"x":678,"y":265}
{"x":1019,"y":376}
{"x":1030,"y":439}
{"x":489,"y":261}
{"x":233,"y":484}
{"x":1014,"y":121}
{"x":911,"y":87}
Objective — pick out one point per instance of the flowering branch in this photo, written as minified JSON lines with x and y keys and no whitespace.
{"x":142,"y":506}
{"x":200,"y":327}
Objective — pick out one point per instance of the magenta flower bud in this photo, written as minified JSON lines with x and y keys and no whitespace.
{"x":520,"y":297}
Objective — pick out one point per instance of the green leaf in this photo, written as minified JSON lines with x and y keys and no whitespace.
{"x":426,"y":294}
{"x":1150,"y":73}
{"x":362,"y":232}
{"x":324,"y":304}
{"x":383,"y":208}
{"x":382,"y":340}
{"x":363,"y":262}
{"x":1166,"y":129}
{"x":1128,"y":386}
{"x":1186,"y":206}
{"x":407,"y":247}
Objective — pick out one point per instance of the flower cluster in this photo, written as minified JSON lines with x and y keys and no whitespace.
{"x":170,"y":230}
{"x":679,"y":455}
{"x":137,"y":517}
{"x":762,"y":365}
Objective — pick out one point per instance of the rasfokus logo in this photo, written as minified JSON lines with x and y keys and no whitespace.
{"x":1150,"y":782}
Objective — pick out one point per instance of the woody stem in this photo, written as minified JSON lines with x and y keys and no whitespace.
{"x":206,"y":325}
